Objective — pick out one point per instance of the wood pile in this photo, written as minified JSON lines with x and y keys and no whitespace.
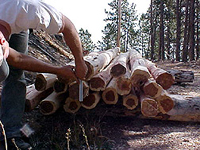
{"x":113,"y":77}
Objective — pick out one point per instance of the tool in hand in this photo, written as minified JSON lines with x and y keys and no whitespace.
{"x":80,"y":90}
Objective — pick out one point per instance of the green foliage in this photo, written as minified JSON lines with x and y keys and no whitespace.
{"x":86,"y":40}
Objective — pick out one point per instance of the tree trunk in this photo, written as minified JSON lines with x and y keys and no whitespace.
{"x":34,"y":97}
{"x":182,"y":76}
{"x":100,"y":61}
{"x":50,"y":104}
{"x":149,"y":106}
{"x":192,"y":30}
{"x":120,"y":66}
{"x":60,"y":87}
{"x":123,"y":83}
{"x":71,"y":105}
{"x":152,"y":89}
{"x":197,"y":29}
{"x":99,"y":82}
{"x":139,"y":71}
{"x":110,"y":95}
{"x":90,"y":101}
{"x":44,"y":81}
{"x":161,"y":76}
{"x":161,"y":43}
{"x":74,"y":90}
{"x":178,"y":32}
{"x":131,"y":100}
{"x":152,"y":32}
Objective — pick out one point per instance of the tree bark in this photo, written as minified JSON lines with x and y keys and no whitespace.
{"x":71,"y":105}
{"x":120,"y":66}
{"x":44,"y":81}
{"x":50,"y":104}
{"x":90,"y":101}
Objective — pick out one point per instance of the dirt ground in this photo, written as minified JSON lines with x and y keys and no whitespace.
{"x":115,"y":132}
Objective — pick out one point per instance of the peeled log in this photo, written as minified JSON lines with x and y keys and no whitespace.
{"x":110,"y":95}
{"x":161,"y":76}
{"x":71,"y":105}
{"x":165,"y":102}
{"x":123,"y":84}
{"x":130,"y":101}
{"x":90,"y":101}
{"x":100,"y":61}
{"x":120,"y":66}
{"x":44,"y":81}
{"x":74,"y":90}
{"x":99,"y":82}
{"x":50,"y":104}
{"x":149,"y":106}
{"x":60,"y":87}
{"x":139,"y":72}
{"x":152,"y":88}
{"x":34,"y":97}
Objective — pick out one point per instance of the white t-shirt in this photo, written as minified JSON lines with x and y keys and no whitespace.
{"x":22,"y":15}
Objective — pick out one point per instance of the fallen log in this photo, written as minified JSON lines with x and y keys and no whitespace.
{"x":100,"y":61}
{"x":71,"y":105}
{"x":34,"y":97}
{"x":74,"y":90}
{"x":110,"y":95}
{"x":152,"y":88}
{"x":131,"y":100}
{"x":161,"y":76}
{"x":139,"y":71}
{"x":149,"y":106}
{"x":123,"y":83}
{"x":60,"y":87}
{"x":182,"y":76}
{"x":165,"y":102}
{"x":99,"y":81}
{"x":44,"y":81}
{"x":50,"y":104}
{"x":90,"y":101}
{"x":120,"y":67}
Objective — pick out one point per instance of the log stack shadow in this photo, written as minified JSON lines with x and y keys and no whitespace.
{"x":124,"y":79}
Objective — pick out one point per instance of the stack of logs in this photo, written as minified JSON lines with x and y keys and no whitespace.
{"x":113,"y":76}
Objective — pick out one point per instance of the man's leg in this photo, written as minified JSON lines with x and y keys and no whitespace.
{"x":14,"y":91}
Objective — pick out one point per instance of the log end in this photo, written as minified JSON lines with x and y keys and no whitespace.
{"x":166,"y":80}
{"x":149,"y":108}
{"x":97,"y":84}
{"x":90,"y":101}
{"x":117,"y":70}
{"x":47,"y":107}
{"x":152,"y":89}
{"x":71,"y":106}
{"x":110,"y":96}
{"x":40,"y":83}
{"x":59,"y":86}
{"x":130,"y":102}
{"x":123,"y":86}
{"x":165,"y":104}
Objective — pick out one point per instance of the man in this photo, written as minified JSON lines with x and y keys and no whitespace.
{"x":16,"y":17}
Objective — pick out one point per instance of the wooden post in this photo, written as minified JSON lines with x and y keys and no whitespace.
{"x":50,"y":104}
{"x":71,"y":105}
{"x":34,"y":97}
{"x":90,"y":101}
{"x":110,"y":95}
{"x":44,"y":81}
{"x":120,"y":67}
{"x":74,"y":90}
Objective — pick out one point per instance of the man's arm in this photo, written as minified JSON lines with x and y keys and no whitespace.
{"x":72,"y":39}
{"x":26,"y":62}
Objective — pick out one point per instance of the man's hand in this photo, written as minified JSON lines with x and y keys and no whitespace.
{"x":81,"y":70}
{"x":5,"y":45}
{"x":67,"y":73}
